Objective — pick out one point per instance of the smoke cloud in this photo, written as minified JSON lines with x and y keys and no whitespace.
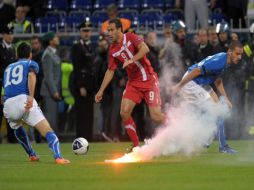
{"x":188,"y":131}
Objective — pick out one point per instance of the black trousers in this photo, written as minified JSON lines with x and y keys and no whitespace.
{"x":84,"y":116}
{"x":10,"y":133}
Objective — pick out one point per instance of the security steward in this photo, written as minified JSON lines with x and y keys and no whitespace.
{"x":83,"y":55}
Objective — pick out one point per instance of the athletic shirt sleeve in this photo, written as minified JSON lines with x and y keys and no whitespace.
{"x":135,"y":39}
{"x":213,"y":65}
{"x":32,"y":65}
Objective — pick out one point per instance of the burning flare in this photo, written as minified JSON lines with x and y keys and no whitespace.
{"x":127,"y":158}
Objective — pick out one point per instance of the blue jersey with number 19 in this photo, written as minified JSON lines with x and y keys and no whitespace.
{"x":16,"y":77}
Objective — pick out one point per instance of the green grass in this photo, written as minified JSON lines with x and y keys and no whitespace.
{"x":208,"y":170}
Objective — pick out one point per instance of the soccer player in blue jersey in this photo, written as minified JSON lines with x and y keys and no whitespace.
{"x":195,"y":85}
{"x":19,"y":104}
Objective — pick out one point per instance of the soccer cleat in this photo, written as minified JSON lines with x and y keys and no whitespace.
{"x":62,"y":161}
{"x":34,"y":158}
{"x":227,"y":149}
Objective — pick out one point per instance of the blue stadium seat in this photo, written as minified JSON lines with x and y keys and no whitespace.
{"x":215,"y":18}
{"x":81,"y":4}
{"x":129,"y":4}
{"x":55,"y":13}
{"x":97,"y":20}
{"x":80,"y":13}
{"x":45,"y":24}
{"x":102,"y":4}
{"x":57,"y":4}
{"x":129,"y":14}
{"x":150,"y":21}
{"x":176,"y":14}
{"x":102,"y":15}
{"x":152,"y":12}
{"x":169,"y":4}
{"x":147,"y":4}
{"x":70,"y":23}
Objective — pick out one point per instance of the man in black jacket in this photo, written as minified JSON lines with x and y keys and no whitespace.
{"x":7,"y":56}
{"x":83,"y":84}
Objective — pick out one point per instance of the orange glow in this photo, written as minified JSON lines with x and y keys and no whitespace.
{"x":127,"y":158}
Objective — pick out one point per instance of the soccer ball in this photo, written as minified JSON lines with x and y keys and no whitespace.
{"x":80,"y":146}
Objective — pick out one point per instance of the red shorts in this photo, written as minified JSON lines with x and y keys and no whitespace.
{"x":148,"y":90}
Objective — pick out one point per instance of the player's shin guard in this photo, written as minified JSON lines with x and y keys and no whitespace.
{"x":23,"y":139}
{"x":53,"y":143}
{"x":130,"y":127}
{"x":221,"y":133}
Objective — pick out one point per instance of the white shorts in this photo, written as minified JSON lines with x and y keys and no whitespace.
{"x":14,"y":112}
{"x":194,"y":93}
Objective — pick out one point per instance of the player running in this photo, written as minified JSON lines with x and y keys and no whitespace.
{"x":130,"y":50}
{"x":19,"y":104}
{"x":195,"y":85}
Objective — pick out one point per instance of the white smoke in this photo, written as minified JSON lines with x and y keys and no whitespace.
{"x":190,"y":127}
{"x":188,"y":131}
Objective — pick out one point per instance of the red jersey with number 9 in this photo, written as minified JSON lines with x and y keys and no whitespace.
{"x":141,"y":70}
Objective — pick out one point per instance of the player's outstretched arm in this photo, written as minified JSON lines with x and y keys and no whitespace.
{"x":142,"y":51}
{"x":107,"y":78}
{"x":190,"y":76}
{"x":220,"y":87}
{"x":31,"y":88}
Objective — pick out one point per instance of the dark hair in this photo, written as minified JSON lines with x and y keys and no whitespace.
{"x":36,"y":38}
{"x":24,"y":50}
{"x":117,"y":22}
{"x":234,"y":44}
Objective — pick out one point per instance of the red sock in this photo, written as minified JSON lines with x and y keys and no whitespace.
{"x":130,"y":127}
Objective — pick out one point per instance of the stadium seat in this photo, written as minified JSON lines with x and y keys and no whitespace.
{"x":129,"y":4}
{"x":55,"y":13}
{"x":129,"y":14}
{"x":70,"y":23}
{"x":80,"y":13}
{"x":57,"y":4}
{"x":169,"y":4}
{"x":177,"y":14}
{"x":152,"y":12}
{"x":81,"y":4}
{"x":102,"y":4}
{"x":147,"y":4}
{"x":215,"y":18}
{"x":45,"y":24}
{"x":150,"y":21}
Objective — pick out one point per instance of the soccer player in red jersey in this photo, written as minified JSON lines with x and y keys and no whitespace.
{"x":130,"y":50}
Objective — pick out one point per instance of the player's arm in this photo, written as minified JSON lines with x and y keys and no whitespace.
{"x":31,"y":89}
{"x":142,"y":51}
{"x":190,"y":76}
{"x":106,"y":80}
{"x":220,"y":87}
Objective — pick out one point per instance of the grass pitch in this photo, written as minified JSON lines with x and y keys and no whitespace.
{"x":208,"y":170}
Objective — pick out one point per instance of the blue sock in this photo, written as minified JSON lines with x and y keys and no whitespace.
{"x":53,"y":143}
{"x":221,"y":133}
{"x":23,"y":139}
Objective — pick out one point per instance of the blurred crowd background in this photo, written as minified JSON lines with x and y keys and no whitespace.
{"x":179,"y":33}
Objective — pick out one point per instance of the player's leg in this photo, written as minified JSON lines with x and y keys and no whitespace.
{"x":23,"y":139}
{"x":156,"y":114}
{"x":13,"y":112}
{"x":36,"y":118}
{"x":45,"y":130}
{"x":127,"y":107}
{"x":223,"y":146}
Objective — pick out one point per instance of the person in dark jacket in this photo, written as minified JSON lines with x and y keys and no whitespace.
{"x":84,"y":81}
{"x":7,"y":56}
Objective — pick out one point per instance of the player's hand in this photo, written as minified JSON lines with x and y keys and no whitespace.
{"x":127,"y":62}
{"x":29,"y":103}
{"x":98,"y":96}
{"x":175,"y":89}
{"x":83,"y":92}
